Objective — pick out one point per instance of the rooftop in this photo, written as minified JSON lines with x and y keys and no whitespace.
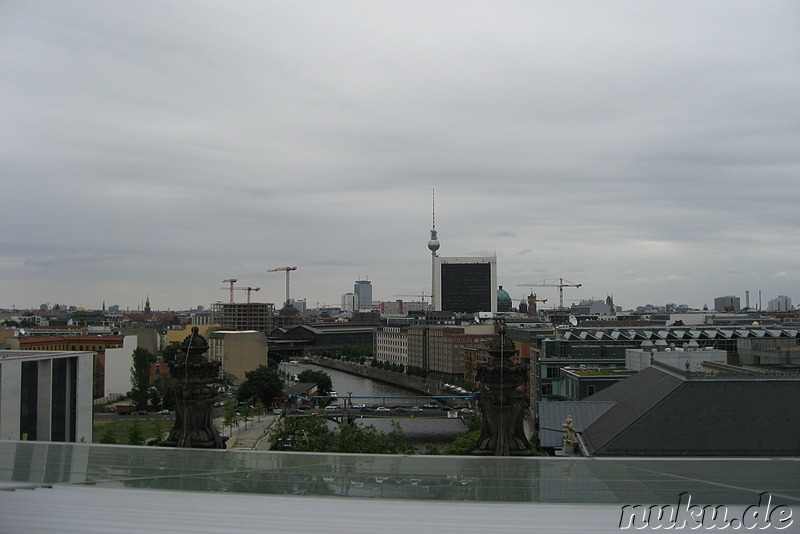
{"x":600,"y":372}
{"x":104,"y":488}
{"x":664,"y":411}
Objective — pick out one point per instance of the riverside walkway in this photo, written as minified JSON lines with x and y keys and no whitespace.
{"x":255,"y":437}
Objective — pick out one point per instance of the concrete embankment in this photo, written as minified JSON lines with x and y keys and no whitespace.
{"x":251,"y":436}
{"x":414,"y":383}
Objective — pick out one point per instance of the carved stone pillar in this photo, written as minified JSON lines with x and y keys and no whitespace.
{"x":194,"y":397}
{"x":503,"y":407}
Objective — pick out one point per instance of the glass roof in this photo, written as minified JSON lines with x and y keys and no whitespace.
{"x":462,"y":478}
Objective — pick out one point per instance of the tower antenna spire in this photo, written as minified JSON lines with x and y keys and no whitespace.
{"x":433,"y":202}
{"x":433,"y":246}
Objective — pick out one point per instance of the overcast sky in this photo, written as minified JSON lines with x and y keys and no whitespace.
{"x":648,"y":150}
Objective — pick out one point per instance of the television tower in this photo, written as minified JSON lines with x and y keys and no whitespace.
{"x":433,"y":246}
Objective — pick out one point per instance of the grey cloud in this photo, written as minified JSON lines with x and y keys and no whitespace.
{"x":586,"y":139}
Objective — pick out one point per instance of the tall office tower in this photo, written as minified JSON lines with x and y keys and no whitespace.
{"x":363,"y":290}
{"x":349,"y":302}
{"x":727,"y":304}
{"x":299,"y":305}
{"x":465,"y":285}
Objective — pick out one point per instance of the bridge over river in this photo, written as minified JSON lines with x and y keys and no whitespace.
{"x":360,"y":399}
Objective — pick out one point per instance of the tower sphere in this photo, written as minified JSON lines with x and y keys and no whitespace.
{"x":433,"y":245}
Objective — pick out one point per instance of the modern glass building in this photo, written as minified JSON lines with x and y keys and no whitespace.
{"x":465,"y":285}
{"x":363,"y":292}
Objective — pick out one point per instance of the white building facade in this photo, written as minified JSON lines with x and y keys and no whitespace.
{"x":391,"y":345}
{"x":349,"y":302}
{"x":679,"y":358}
{"x":781,"y":303}
{"x":118,"y":368}
{"x":46,"y":395}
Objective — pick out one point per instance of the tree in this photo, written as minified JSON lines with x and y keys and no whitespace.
{"x":262,"y":383}
{"x":107,"y":436}
{"x":432,"y":450}
{"x":356,"y":354}
{"x":172,"y":351}
{"x":260,"y":408}
{"x":155,"y":399}
{"x":369,"y":440}
{"x":135,"y":434}
{"x":311,"y":434}
{"x":140,"y":377}
{"x":303,"y":434}
{"x":166,"y":390}
{"x":158,"y":429}
{"x":246,"y":411}
{"x":231,"y":417}
{"x":320,"y":378}
{"x":464,"y":444}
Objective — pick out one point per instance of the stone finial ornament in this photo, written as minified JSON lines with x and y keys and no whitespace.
{"x":194,"y":397}
{"x":503,"y":407}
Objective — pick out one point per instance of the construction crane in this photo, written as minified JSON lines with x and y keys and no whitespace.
{"x":248,"y":289}
{"x":560,"y":283}
{"x":287,"y":269}
{"x":230,"y":281}
{"x":421,"y":294}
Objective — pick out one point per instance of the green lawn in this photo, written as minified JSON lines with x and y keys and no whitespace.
{"x":119,"y":430}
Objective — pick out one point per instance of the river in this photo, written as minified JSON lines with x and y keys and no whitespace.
{"x":421,"y":431}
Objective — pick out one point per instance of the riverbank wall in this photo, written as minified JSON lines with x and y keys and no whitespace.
{"x":417,"y":384}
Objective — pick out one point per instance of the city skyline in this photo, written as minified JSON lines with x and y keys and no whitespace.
{"x":780,"y":303}
{"x":643,"y":151}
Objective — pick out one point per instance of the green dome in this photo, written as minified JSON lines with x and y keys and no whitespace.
{"x":503,"y":300}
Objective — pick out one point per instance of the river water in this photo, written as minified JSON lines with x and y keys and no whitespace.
{"x":421,"y":431}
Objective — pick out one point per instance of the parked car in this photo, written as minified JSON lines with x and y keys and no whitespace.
{"x":359,"y":406}
{"x":400,"y":409}
{"x":164,"y":412}
{"x":382,"y":409}
{"x":277,"y":411}
{"x":416,"y":409}
{"x":332,"y":407}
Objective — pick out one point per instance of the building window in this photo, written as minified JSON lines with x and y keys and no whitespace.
{"x":590,"y":390}
{"x":29,"y":393}
{"x":59,"y":402}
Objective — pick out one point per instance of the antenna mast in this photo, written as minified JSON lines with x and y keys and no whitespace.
{"x":433,"y":246}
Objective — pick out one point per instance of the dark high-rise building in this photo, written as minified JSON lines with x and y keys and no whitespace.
{"x":465,"y":285}
{"x":363,"y":292}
